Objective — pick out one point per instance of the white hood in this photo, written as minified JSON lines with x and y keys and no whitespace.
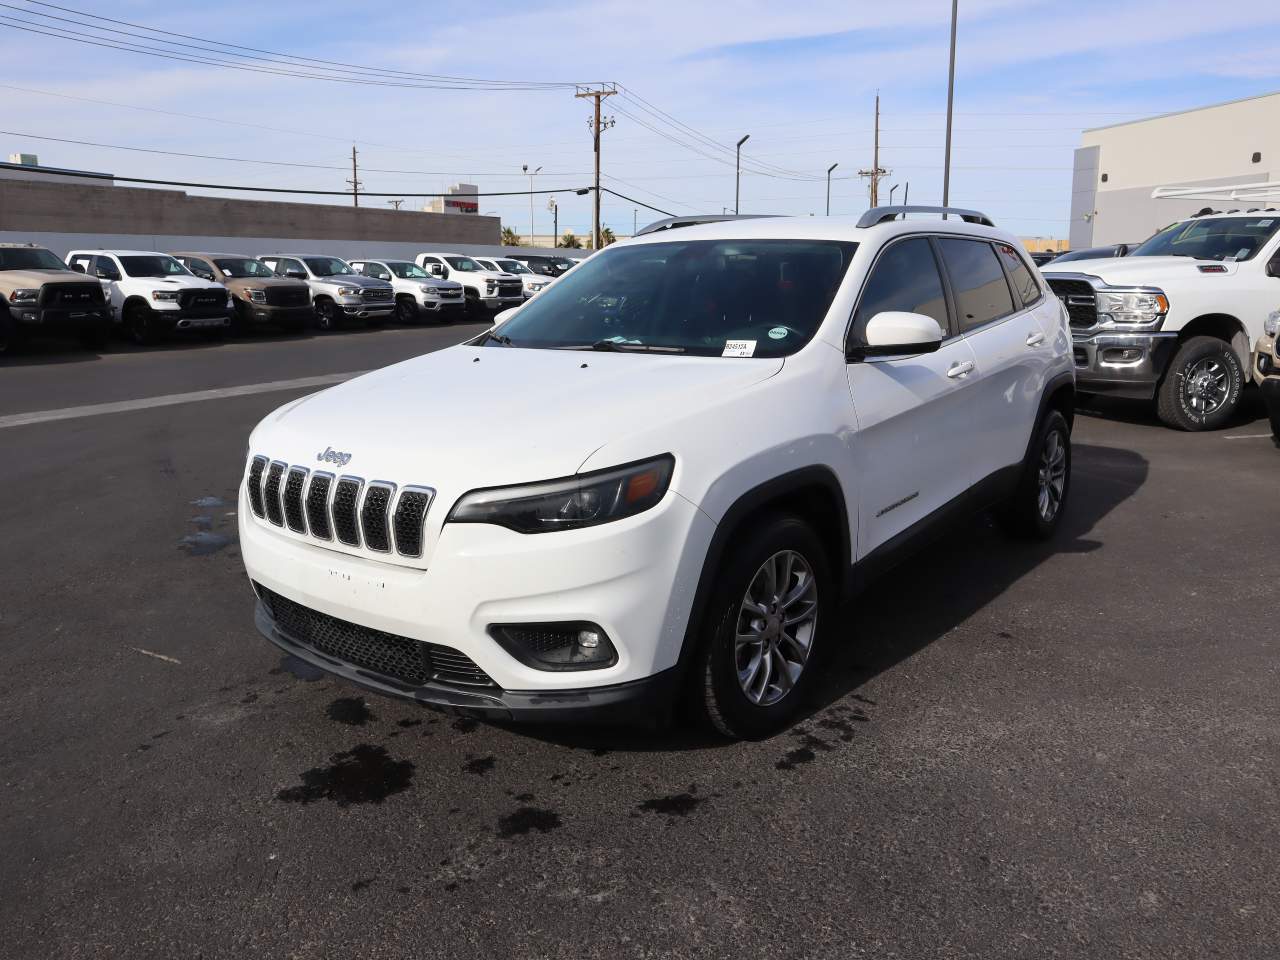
{"x":1141,"y":271}
{"x":469,"y":417}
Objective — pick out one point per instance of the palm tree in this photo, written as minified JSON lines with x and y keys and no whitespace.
{"x":570,"y":242}
{"x":606,"y":236}
{"x":510,"y":238}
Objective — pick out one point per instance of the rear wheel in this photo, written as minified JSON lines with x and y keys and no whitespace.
{"x":141,"y":324}
{"x":1202,"y":387}
{"x":762,"y":632}
{"x":1037,"y":505}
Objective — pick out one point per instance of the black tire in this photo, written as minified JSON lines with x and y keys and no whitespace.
{"x":327,"y":316}
{"x":1271,"y":397}
{"x":1035,"y":510}
{"x":141,"y":326}
{"x":474,"y":309}
{"x":8,"y":333}
{"x":240,"y":318}
{"x":723,"y":694}
{"x":406,"y":310}
{"x":1202,"y":387}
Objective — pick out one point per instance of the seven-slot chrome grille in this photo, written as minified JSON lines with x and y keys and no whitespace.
{"x":376,"y":515}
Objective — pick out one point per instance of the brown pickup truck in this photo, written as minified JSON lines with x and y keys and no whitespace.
{"x":259,"y":294}
{"x":42,"y":297}
{"x":1266,"y":370}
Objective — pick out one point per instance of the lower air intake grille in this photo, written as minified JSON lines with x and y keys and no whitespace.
{"x":256,"y":466}
{"x":271,"y":493}
{"x":293,"y":484}
{"x":345,"y":499}
{"x":409,"y":661}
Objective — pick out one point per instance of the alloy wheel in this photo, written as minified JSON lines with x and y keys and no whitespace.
{"x":775,"y":627}
{"x":1052,"y":476}
{"x":1205,"y":385}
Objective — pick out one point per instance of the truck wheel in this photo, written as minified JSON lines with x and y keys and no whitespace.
{"x":762,"y":635}
{"x":406,"y":310}
{"x":7,"y":336}
{"x":1036,"y":507}
{"x":473,"y":308}
{"x":141,"y":325}
{"x":1202,"y":387}
{"x":327,"y":315}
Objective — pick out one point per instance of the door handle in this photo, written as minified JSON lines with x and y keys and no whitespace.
{"x":1035,"y":339}
{"x":962,"y":369}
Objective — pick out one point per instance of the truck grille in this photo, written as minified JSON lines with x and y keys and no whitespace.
{"x":510,"y":288}
{"x":412,"y":662}
{"x":452,"y":294}
{"x":376,"y":294}
{"x":205,"y":302}
{"x":378,"y":516}
{"x":71,"y":295}
{"x":289,"y":296}
{"x":1080,"y":299}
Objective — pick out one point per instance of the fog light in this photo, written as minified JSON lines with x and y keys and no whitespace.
{"x":1122,"y":354}
{"x":556,"y":646}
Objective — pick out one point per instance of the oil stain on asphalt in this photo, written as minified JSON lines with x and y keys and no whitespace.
{"x":363,"y":774}
{"x":676,"y":805}
{"x":352,"y":711}
{"x":527,"y":819}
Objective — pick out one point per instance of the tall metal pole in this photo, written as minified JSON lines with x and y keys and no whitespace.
{"x":875,"y":160}
{"x":525,"y":168}
{"x":829,"y":169}
{"x":355,"y":178}
{"x":597,"y":127}
{"x":951,"y":92}
{"x":737,"y":175}
{"x":906,"y":194}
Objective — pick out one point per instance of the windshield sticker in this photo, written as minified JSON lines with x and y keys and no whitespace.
{"x":739,"y":348}
{"x":778,"y":333}
{"x":1264,"y":223}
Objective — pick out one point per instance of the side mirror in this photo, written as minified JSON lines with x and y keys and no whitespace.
{"x":895,"y":333}
{"x":78,"y":267}
{"x":1273,"y":267}
{"x":502,"y":316}
{"x":437,"y":270}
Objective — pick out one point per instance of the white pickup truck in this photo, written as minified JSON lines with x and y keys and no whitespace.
{"x":485,"y":289}
{"x":152,"y":294}
{"x":417,"y":292}
{"x":533,"y":282}
{"x":1177,"y":318}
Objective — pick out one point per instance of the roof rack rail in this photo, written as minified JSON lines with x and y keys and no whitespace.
{"x":884,"y":214}
{"x":692,"y":220}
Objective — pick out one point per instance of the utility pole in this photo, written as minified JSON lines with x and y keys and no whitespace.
{"x":525,"y":168}
{"x":555,"y":222}
{"x":355,"y":178}
{"x":876,"y":172}
{"x":829,"y":169}
{"x":906,"y":194}
{"x":635,"y":220}
{"x":951,"y":93}
{"x":598,"y":126}
{"x":395,"y":203}
{"x":737,"y":174}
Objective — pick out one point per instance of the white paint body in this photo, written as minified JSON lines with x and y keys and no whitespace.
{"x":485,"y":286}
{"x":887,"y":428}
{"x":119,"y":291}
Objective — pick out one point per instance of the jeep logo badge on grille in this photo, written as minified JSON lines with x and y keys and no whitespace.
{"x":331,"y":455}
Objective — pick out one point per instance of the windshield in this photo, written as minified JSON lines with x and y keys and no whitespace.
{"x":29,"y":258}
{"x":153,"y":265}
{"x":1211,"y":238}
{"x":740,"y":298}
{"x":241,"y":268}
{"x":465,"y":264}
{"x":327,"y":266}
{"x":407,"y":271}
{"x":564,"y":263}
{"x":512,"y":266}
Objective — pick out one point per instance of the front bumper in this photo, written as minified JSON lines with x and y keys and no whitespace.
{"x":1266,"y":359}
{"x":266,"y":313}
{"x":501,"y":303}
{"x":1123,"y":364}
{"x":438,"y":305}
{"x":635,"y":578}
{"x":362,"y":309}
{"x":58,"y":321}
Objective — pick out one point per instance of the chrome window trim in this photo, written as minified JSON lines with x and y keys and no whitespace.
{"x":430,"y":494}
{"x":386,"y":518}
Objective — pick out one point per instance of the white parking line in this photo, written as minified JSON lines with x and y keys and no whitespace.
{"x":1247,"y":436}
{"x":125,"y":406}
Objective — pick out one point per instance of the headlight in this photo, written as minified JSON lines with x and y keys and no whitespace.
{"x":535,"y":287}
{"x":1143,"y":307}
{"x":582,"y":501}
{"x":1271,"y":325}
{"x":490,"y":286}
{"x":24,"y":296}
{"x":256,"y":295}
{"x":348,"y":291}
{"x":167,"y":295}
{"x":429,"y":291}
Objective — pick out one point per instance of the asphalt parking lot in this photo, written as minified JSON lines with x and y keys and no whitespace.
{"x":1066,"y":749}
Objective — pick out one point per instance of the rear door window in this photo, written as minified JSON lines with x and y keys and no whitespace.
{"x":977,"y":281}
{"x":906,"y":279}
{"x":1023,"y":281}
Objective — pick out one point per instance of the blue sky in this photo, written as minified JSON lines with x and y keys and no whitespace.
{"x":800,"y":78}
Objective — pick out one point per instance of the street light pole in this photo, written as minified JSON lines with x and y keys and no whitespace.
{"x":891,"y":189}
{"x":829,"y":169}
{"x":951,"y":91}
{"x":525,"y":168}
{"x":737,"y":175}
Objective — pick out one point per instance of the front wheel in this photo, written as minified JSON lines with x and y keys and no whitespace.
{"x":1036,"y":507}
{"x":406,"y":310}
{"x":1202,"y":388}
{"x":762,"y":633}
{"x":327,"y":316}
{"x":142,"y":325}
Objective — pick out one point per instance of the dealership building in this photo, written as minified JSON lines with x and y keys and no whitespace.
{"x":1118,"y":167}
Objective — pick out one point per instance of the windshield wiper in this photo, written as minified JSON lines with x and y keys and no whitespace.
{"x":619,"y":346}
{"x":498,"y":338}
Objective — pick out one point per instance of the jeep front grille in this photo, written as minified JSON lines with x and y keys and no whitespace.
{"x":409,"y":661}
{"x":378,"y":516}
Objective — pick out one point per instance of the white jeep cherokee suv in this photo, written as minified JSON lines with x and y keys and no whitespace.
{"x":722,"y":430}
{"x":417,"y":292}
{"x":485,"y":289}
{"x":1177,"y":318}
{"x":151,"y":294}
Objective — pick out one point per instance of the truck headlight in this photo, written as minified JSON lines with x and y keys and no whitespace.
{"x":348,"y":291}
{"x":429,"y":291}
{"x":491,"y":287}
{"x":1135,"y":307}
{"x":1271,"y":325}
{"x":168,"y":296}
{"x":582,"y":501}
{"x":256,"y":294}
{"x":24,"y":295}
